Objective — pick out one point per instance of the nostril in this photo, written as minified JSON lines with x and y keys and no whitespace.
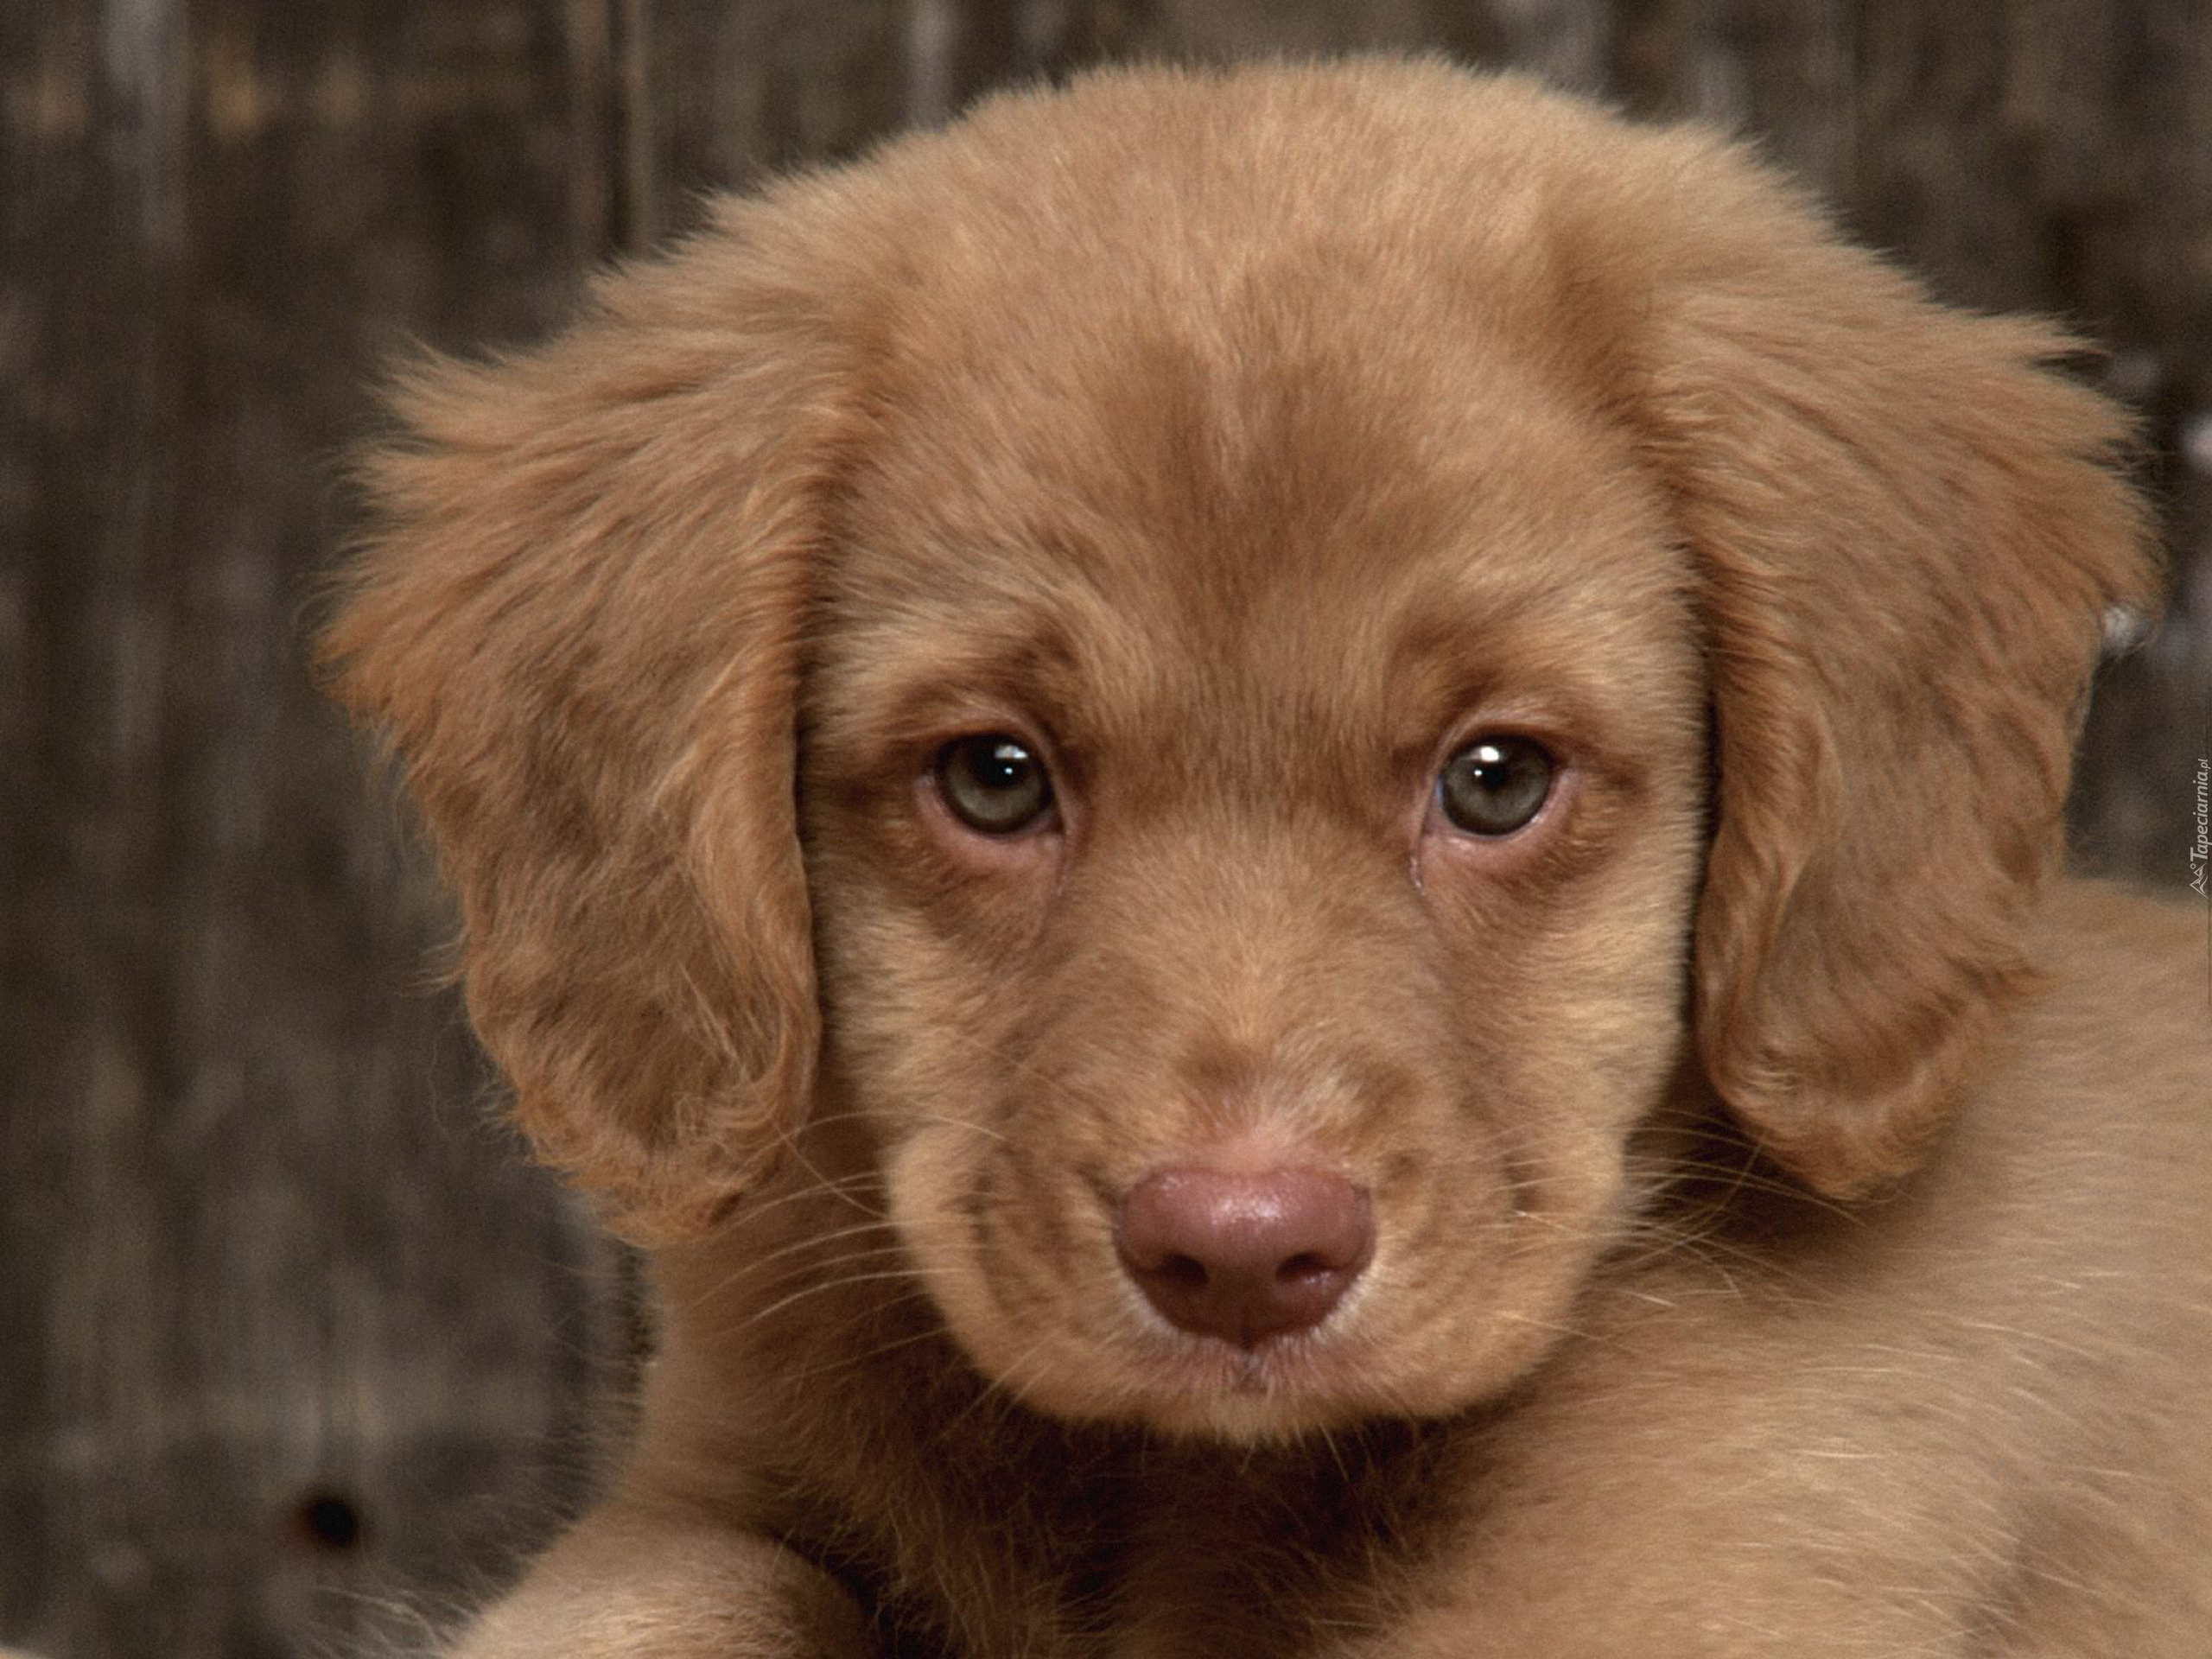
{"x":1184,"y":1272}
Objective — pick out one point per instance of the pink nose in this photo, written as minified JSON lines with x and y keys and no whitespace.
{"x":1244,"y":1257}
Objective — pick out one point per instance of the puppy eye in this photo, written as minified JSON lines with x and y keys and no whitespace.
{"x":993,"y":784}
{"x":1495,"y":784}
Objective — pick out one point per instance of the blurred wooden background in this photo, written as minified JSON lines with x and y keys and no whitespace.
{"x":292,"y":1346}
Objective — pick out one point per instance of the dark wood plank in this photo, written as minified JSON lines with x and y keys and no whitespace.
{"x":717,"y":96}
{"x":288,"y":1332}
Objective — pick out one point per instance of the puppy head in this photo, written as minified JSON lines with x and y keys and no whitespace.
{"x":1323,"y":633}
{"x":1138,"y":896}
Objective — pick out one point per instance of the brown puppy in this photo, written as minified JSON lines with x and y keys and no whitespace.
{"x":1289,"y":834}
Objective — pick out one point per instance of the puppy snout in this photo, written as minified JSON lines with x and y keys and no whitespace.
{"x":1244,"y":1257}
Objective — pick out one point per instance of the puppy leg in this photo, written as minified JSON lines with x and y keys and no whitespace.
{"x":644,"y":1586}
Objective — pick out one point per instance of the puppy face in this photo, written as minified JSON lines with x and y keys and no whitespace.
{"x":1269,"y":577}
{"x":1243,"y":670}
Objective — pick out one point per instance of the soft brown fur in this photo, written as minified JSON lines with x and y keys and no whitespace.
{"x":1790,"y":1194}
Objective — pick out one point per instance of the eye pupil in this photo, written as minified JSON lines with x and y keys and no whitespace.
{"x":1006,"y":766}
{"x":993,"y":784}
{"x":1495,"y":784}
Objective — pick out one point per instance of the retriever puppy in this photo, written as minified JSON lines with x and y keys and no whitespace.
{"x":1289,"y":836}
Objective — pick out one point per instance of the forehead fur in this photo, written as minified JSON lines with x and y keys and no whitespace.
{"x":1278,"y":388}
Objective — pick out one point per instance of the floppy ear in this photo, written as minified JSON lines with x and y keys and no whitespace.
{"x":1906,"y":527}
{"x":578,"y":619}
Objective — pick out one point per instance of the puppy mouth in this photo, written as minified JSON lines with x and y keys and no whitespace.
{"x":1280,"y":1388}
{"x":1094,"y":1331}
{"x":1290,"y":1365}
{"x":1260,"y":1376}
{"x":1139,"y":1369}
{"x":1202,"y":1299}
